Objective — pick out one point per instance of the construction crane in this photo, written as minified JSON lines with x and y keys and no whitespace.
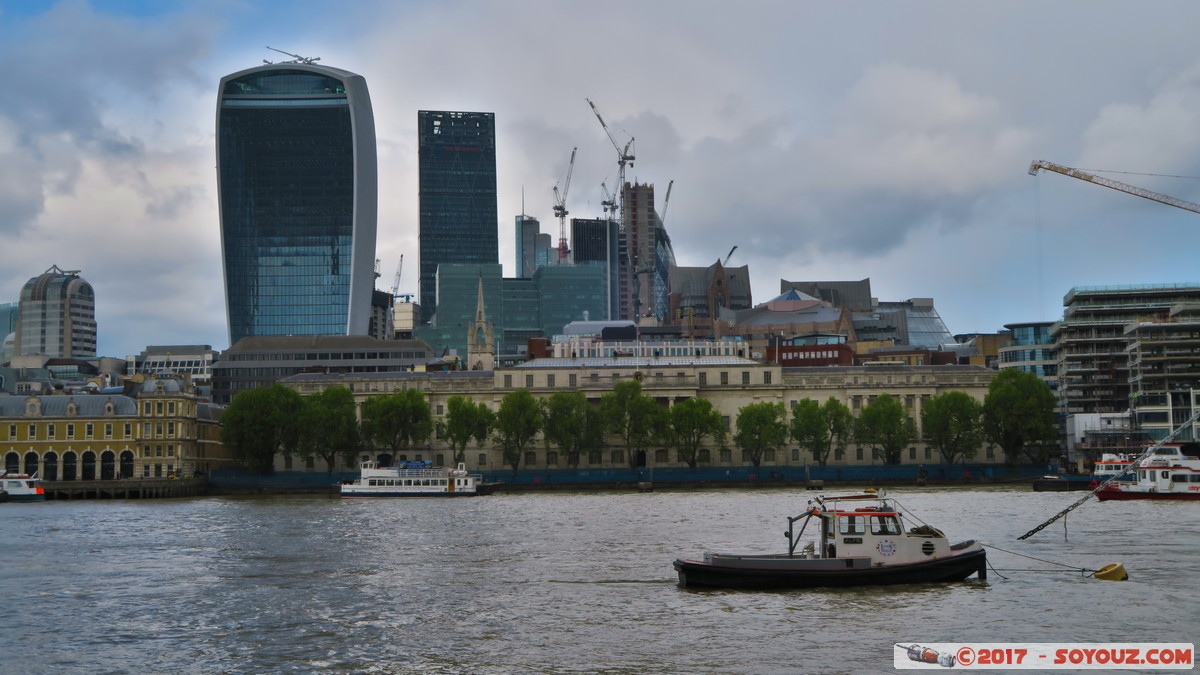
{"x":624,"y":155}
{"x":610,"y":202}
{"x":1116,"y":185}
{"x":396,"y":283}
{"x":728,"y":256}
{"x":666,"y":200}
{"x":560,"y":210}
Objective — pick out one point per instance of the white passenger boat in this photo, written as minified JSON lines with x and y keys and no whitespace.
{"x":19,"y":487}
{"x":411,"y":479}
{"x":1167,"y":473}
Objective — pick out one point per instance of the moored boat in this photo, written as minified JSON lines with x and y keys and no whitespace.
{"x":859,"y":540}
{"x":411,"y":479}
{"x":1166,"y":473}
{"x":19,"y":487}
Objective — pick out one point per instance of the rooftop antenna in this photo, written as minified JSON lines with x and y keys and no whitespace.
{"x":296,"y":58}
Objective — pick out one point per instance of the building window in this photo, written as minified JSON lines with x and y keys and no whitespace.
{"x":146,"y":408}
{"x":440,"y":409}
{"x":991,"y":452}
{"x":928,"y":453}
{"x":858,"y":454}
{"x":158,"y":408}
{"x":745,"y":377}
{"x":726,"y":455}
{"x":595,"y":377}
{"x":839,"y":454}
{"x":766,"y":377}
{"x":287,"y":462}
{"x":158,"y":451}
{"x":483,"y":459}
{"x":572,"y":380}
{"x":874,"y":453}
{"x":170,"y":430}
{"x":32,"y":433}
{"x":146,"y":452}
{"x":550,"y":380}
{"x":108,"y":430}
{"x":703,"y":378}
{"x":128,"y":430}
{"x":12,"y":432}
{"x":87,"y":430}
{"x":912,"y":453}
{"x":145,"y":471}
{"x":70,"y":430}
{"x":530,"y":459}
{"x":795,"y":454}
{"x":50,"y":431}
{"x":310,"y":463}
{"x":529,"y":381}
{"x":769,"y":455}
{"x":170,"y":451}
{"x":724,"y":377}
{"x":617,"y":456}
{"x":725,"y":422}
{"x":551,"y":458}
{"x":507,"y":381}
{"x":171,"y":408}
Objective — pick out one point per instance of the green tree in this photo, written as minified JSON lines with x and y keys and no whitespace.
{"x":885,"y":424}
{"x":465,"y":421}
{"x":1018,"y":413}
{"x":953,"y":423}
{"x":689,"y":422}
{"x":260,"y":423}
{"x":632,"y":416}
{"x":330,"y":427}
{"x":518,"y":421}
{"x":573,"y":424}
{"x":398,"y":420}
{"x":760,"y":427}
{"x":822,"y":427}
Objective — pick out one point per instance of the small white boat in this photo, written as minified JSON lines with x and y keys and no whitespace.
{"x":411,"y":479}
{"x":19,"y":487}
{"x":861,"y":540}
{"x":1112,"y":464}
{"x":1165,"y":474}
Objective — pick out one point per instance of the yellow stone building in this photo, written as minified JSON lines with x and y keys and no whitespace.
{"x":158,"y":427}
{"x":728,"y":382}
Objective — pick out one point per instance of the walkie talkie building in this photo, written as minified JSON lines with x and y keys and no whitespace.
{"x":297,"y":185}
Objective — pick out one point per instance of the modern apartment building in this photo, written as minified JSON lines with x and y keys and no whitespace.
{"x":297,"y":186}
{"x":1032,"y":350}
{"x":56,"y":316}
{"x":1164,"y":371}
{"x":458,"y":221}
{"x":1093,"y":347}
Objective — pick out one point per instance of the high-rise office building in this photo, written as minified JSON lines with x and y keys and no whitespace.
{"x":297,"y":185}
{"x":528,"y":229}
{"x":57,"y":316}
{"x":650,"y":255}
{"x":457,"y":157}
{"x":597,"y":242}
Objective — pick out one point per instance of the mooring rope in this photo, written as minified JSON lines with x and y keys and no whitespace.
{"x":1043,"y":560}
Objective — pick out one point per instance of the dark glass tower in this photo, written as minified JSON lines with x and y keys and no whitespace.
{"x":296,"y":178}
{"x":457,"y":152}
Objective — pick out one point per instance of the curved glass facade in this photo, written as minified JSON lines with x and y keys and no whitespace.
{"x":291,"y":211}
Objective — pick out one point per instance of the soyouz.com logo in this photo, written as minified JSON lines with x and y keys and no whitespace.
{"x":1044,"y":656}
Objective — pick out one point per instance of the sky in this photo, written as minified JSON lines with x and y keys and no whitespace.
{"x":825,"y":140}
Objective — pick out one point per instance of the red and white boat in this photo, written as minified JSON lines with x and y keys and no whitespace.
{"x":1167,"y":473}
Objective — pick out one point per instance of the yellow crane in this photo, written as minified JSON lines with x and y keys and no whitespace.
{"x":1114,"y":184}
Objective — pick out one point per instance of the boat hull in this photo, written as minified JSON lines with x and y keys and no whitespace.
{"x":1127,"y":495}
{"x":700,"y":574}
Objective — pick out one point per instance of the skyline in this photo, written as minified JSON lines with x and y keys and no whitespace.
{"x":832,"y":142}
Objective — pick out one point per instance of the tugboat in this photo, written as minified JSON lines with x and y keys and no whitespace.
{"x":862,"y":539}
{"x":1166,"y":473}
{"x":19,"y":487}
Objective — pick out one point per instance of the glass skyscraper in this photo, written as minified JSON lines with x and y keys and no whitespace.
{"x":56,"y":316}
{"x":297,"y":184}
{"x":457,"y":157}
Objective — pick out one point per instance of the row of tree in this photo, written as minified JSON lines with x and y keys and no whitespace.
{"x":1017,"y":414}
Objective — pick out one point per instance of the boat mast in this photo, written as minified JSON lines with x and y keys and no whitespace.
{"x":1129,"y":469}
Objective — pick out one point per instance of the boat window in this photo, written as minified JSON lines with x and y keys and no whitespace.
{"x":884,"y":525}
{"x":852,"y":524}
{"x":1180,"y":478}
{"x":1166,"y":474}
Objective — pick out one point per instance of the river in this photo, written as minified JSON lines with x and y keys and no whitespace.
{"x":550,"y":583}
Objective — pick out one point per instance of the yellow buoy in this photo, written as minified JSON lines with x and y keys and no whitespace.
{"x":1112,"y":572}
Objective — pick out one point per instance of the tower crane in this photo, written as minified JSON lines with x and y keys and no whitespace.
{"x":1116,"y":185}
{"x":666,"y":200}
{"x":728,"y":256}
{"x":610,"y":202}
{"x":396,"y":283}
{"x":624,"y":155}
{"x":560,"y":210}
